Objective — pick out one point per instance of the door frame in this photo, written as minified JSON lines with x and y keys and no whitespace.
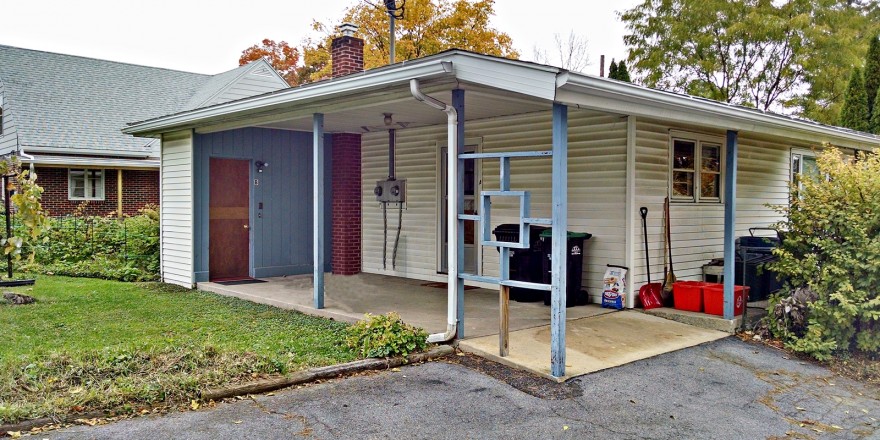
{"x":477,"y":143}
{"x":251,"y":225}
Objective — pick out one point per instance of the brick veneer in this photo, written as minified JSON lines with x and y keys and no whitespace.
{"x":139,"y":187}
{"x":347,"y":57}
{"x":346,"y":197}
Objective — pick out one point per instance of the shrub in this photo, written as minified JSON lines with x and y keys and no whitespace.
{"x":385,"y":335}
{"x":832,"y":247}
{"x":125,"y":249}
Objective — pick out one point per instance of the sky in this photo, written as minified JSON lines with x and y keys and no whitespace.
{"x":208,"y":37}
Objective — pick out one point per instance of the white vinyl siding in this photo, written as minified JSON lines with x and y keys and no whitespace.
{"x":176,"y":193}
{"x":597,"y":187}
{"x":9,"y":136}
{"x":698,"y":229}
{"x":256,"y":82}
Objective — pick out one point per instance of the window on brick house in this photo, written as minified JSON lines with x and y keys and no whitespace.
{"x":85,"y":184}
{"x":696,"y":174}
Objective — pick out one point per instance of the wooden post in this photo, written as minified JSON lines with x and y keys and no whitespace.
{"x":730,"y":223}
{"x":559,"y":276}
{"x":318,"y":207}
{"x":504,"y":331}
{"x":119,"y":193}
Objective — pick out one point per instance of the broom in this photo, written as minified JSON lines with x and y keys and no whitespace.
{"x":670,"y":276}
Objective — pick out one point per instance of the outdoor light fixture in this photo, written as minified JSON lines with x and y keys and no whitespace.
{"x":260,"y":165}
{"x":388,"y":120}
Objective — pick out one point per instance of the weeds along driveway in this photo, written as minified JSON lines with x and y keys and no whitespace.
{"x":90,"y":344}
{"x":722,"y":390}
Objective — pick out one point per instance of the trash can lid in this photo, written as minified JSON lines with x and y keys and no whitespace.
{"x":547,"y":233}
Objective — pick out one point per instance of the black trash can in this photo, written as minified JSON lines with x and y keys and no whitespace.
{"x":574,"y":296}
{"x":525,"y":264}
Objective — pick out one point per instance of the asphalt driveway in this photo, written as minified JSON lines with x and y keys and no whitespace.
{"x":721,"y":390}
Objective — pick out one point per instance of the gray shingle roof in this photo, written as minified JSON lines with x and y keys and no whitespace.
{"x":71,"y":102}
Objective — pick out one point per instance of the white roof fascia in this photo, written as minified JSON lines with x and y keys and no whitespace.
{"x":90,"y":152}
{"x":624,"y":98}
{"x":94,"y":162}
{"x":300,"y":95}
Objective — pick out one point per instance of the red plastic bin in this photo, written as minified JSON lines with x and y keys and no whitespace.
{"x":713,"y":297}
{"x":688,"y":295}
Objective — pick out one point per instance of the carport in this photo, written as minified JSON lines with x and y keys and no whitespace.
{"x":598,"y":338}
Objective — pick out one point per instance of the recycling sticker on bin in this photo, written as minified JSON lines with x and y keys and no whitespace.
{"x":575,"y":250}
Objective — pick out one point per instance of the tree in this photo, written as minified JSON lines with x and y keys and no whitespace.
{"x":872,"y":72}
{"x":874,"y":124}
{"x":428,"y":27}
{"x":623,"y":72}
{"x":280,"y":55}
{"x":572,"y":51}
{"x":759,"y":53}
{"x":855,"y":114}
{"x":612,"y":70}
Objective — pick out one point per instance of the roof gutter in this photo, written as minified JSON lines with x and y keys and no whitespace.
{"x":634,"y":94}
{"x":300,"y":95}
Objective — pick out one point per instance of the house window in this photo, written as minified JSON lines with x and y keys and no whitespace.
{"x":803,"y":163}
{"x":696,"y":169}
{"x":1,"y":121}
{"x":85,"y":184}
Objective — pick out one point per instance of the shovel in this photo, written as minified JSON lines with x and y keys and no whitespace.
{"x":649,"y":294}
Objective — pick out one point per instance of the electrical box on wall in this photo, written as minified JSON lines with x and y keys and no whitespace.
{"x":391,"y":191}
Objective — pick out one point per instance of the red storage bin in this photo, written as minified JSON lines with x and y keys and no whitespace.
{"x":713,"y":297}
{"x":688,"y":295}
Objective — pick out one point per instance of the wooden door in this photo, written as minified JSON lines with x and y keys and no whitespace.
{"x":229,"y":219}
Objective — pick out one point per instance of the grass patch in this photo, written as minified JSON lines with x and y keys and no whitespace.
{"x":91,"y":344}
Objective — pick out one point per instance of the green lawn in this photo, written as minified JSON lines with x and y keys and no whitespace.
{"x":94,"y":344}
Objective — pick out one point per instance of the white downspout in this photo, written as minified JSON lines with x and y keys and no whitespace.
{"x":451,"y":211}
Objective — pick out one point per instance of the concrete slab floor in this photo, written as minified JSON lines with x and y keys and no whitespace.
{"x":347,"y":298}
{"x":595,"y":343}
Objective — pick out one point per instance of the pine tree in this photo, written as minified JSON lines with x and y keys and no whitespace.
{"x":623,"y":72}
{"x":875,"y":116}
{"x":612,"y":70}
{"x":854,"y":113}
{"x":872,"y":72}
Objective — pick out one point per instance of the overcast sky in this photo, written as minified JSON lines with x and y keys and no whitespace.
{"x":208,"y":37}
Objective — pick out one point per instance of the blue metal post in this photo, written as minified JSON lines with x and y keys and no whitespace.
{"x":730,"y":223}
{"x":318,"y":209}
{"x":559,"y":276}
{"x":458,"y":104}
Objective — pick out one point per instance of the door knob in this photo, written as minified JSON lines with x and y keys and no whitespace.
{"x":246,"y":226}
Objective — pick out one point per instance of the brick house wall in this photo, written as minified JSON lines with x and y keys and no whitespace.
{"x":139,"y":188}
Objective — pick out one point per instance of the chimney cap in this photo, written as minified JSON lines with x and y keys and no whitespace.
{"x":348,"y":29}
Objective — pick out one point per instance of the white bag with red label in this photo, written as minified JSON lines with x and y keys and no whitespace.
{"x":614,"y":292}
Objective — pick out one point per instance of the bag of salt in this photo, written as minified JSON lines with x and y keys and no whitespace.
{"x":615,"y":287}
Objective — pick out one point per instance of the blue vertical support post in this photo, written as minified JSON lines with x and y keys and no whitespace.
{"x":318,"y":209}
{"x":458,"y":104}
{"x":730,"y":223}
{"x":559,"y":222}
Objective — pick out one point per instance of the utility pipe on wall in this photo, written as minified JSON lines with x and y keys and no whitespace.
{"x":451,"y":211}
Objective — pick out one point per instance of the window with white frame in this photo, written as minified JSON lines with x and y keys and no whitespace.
{"x":85,"y":184}
{"x":697,"y":170}
{"x":803,"y":163}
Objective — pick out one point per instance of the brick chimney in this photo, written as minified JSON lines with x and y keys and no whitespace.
{"x":347,"y":52}
{"x":347,"y":57}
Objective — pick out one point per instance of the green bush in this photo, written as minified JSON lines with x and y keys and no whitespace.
{"x":125,"y":249}
{"x":832,"y":247}
{"x":385,"y":335}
